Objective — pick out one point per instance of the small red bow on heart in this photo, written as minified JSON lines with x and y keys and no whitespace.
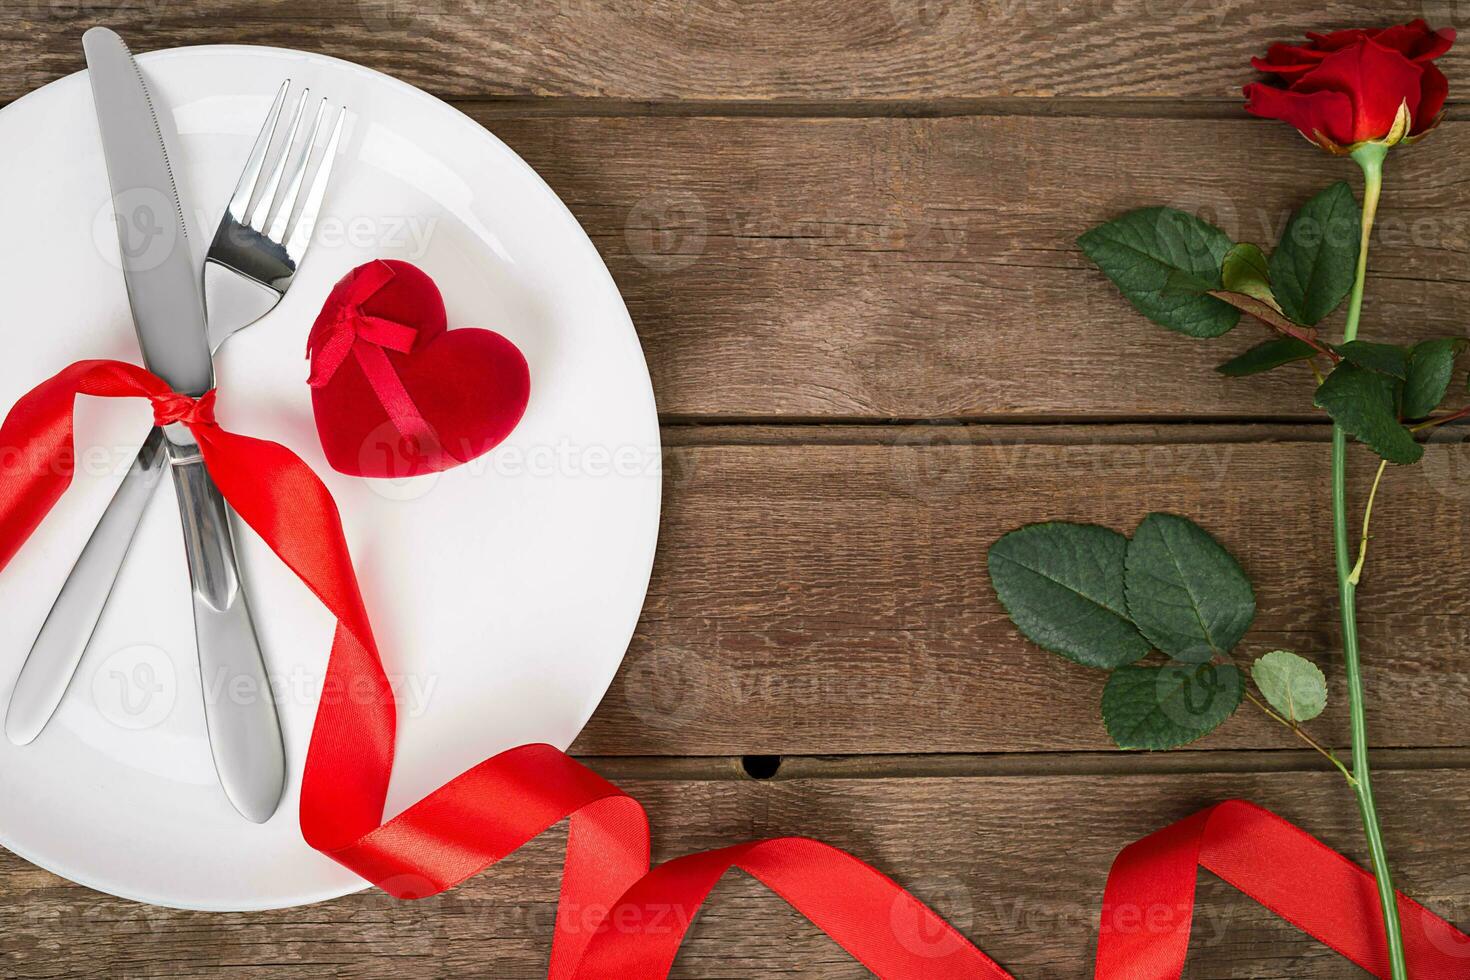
{"x":367,"y":338}
{"x":342,"y":337}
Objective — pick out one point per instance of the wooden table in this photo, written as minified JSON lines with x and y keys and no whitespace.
{"x":844,"y":231}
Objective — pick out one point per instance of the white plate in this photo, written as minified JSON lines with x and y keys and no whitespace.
{"x":503,"y":593}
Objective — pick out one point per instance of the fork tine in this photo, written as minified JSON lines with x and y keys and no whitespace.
{"x":263,"y":206}
{"x":240,"y":200}
{"x":297,"y":173}
{"x":301,"y":234}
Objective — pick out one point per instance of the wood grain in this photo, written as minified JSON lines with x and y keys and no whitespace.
{"x":864,"y":213}
{"x":1017,"y":864}
{"x":730,"y":49}
{"x":833,"y":598}
{"x":925,"y":268}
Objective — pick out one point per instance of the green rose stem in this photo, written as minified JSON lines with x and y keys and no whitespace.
{"x":1370,"y":158}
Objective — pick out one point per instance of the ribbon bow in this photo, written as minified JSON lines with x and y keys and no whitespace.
{"x":344,"y":335}
{"x":367,"y":339}
{"x":616,"y":918}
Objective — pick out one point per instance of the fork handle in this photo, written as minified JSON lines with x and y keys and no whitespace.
{"x":69,"y":625}
{"x":239,"y":705}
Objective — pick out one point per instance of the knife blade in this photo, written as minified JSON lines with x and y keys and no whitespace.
{"x":163,"y":283}
{"x":164,"y":291}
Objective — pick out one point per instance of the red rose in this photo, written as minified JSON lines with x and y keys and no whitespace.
{"x":1347,"y":87}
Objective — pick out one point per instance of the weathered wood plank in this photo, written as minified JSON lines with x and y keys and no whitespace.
{"x":730,"y":49}
{"x":1018,"y":865}
{"x":813,"y":599}
{"x":924,"y":268}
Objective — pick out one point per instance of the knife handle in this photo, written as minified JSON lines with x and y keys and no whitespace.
{"x":239,"y":705}
{"x":73,"y":617}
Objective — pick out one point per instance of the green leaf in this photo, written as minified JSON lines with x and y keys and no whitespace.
{"x":1062,"y":585}
{"x":1431,"y":363}
{"x":1169,"y":706}
{"x":1389,"y":359}
{"x":1159,"y":257}
{"x":1365,"y":404}
{"x":1185,"y":592}
{"x":1265,"y":356}
{"x":1245,"y":271}
{"x":1293,"y":684}
{"x":1181,"y":283}
{"x":1312,"y":269}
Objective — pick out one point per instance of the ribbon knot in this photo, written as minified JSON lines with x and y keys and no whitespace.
{"x":173,"y":407}
{"x":331,"y":343}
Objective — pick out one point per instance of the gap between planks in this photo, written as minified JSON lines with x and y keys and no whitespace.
{"x":501,"y":107}
{"x":1003,"y":764}
{"x":680,"y":432}
{"x":541,"y":107}
{"x":522,"y":107}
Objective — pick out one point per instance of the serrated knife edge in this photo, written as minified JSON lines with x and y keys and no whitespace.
{"x":173,"y":185}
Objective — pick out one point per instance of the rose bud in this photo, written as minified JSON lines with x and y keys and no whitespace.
{"x":1347,"y":88}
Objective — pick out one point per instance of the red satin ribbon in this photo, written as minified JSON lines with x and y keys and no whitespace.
{"x":367,"y":339}
{"x":616,"y":917}
{"x":1149,"y":902}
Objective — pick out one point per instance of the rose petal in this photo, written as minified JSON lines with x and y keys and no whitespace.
{"x":1286,"y":59}
{"x":1377,"y":79}
{"x":1338,"y":40}
{"x":1401,"y":37}
{"x":1290,"y":54}
{"x":1434,"y":45}
{"x":1323,"y":112}
{"x":1260,"y":64}
{"x":1436,"y":88}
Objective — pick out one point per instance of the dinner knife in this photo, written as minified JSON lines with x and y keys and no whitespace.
{"x":164,"y":292}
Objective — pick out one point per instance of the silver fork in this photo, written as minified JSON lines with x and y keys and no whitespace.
{"x":251,"y":264}
{"x":249,"y":267}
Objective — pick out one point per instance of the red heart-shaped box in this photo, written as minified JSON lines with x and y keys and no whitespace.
{"x":465,"y":388}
